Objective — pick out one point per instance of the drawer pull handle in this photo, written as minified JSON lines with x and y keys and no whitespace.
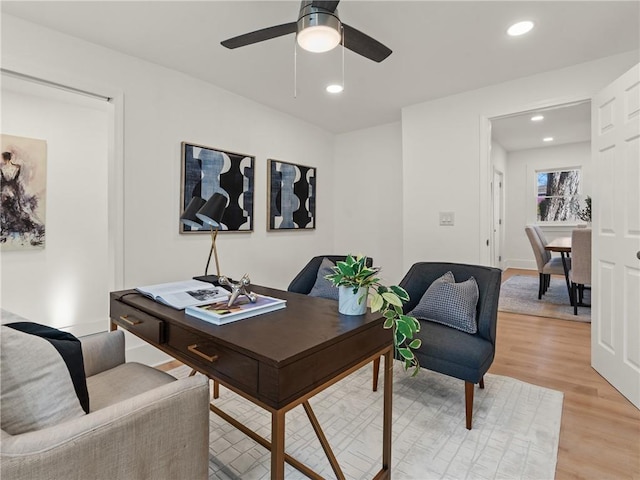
{"x":194,"y":349}
{"x":125,"y":319}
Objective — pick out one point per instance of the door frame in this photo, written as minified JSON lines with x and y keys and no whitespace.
{"x":497,"y":262}
{"x":486,"y":165}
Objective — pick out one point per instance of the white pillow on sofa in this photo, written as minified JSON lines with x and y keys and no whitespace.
{"x":36,"y":387}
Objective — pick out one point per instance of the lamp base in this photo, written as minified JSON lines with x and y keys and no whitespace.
{"x":211,"y":279}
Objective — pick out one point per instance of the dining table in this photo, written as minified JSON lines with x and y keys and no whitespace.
{"x":562,"y":245}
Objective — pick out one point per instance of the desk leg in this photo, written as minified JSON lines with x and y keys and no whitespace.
{"x":277,"y":445}
{"x":387,"y":412}
{"x":565,"y":267}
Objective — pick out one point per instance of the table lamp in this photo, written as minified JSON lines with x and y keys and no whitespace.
{"x":189,"y":216}
{"x":199,"y":213}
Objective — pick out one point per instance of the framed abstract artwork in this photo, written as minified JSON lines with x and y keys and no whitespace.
{"x":24,"y":192}
{"x":291,"y":196}
{"x":206,"y":171}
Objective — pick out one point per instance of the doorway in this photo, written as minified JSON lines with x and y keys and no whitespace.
{"x":80,"y":258}
{"x":522,"y":145}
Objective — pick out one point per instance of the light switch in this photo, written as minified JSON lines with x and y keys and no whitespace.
{"x":447,"y":219}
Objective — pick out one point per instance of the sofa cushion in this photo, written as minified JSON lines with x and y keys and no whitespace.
{"x":449,"y":303}
{"x":36,"y":388}
{"x":323,"y":287}
{"x":122,"y":382}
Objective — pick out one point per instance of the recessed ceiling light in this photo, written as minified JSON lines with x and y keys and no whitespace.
{"x":547,"y":139}
{"x":537,"y":118}
{"x":520,"y":28}
{"x":335,"y":88}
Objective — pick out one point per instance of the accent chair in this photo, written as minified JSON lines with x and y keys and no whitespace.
{"x":141,"y":423}
{"x":447,"y":350}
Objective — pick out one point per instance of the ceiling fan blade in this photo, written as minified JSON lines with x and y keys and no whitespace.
{"x":364,"y":45}
{"x":331,"y":6}
{"x":260,"y":35}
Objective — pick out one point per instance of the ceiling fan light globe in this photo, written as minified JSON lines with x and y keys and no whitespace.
{"x":318,"y":38}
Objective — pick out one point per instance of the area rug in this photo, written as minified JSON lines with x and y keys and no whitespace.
{"x":515,"y":433}
{"x":519,"y":294}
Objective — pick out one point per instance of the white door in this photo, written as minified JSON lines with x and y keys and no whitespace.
{"x":496,"y":186}
{"x":615,"y":315}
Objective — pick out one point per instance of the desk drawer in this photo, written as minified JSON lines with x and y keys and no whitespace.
{"x":137,"y":322}
{"x":203,"y":350}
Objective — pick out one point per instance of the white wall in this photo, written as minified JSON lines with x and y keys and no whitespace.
{"x":368,"y":200}
{"x":64,"y":284}
{"x":521,"y":194}
{"x":446,"y":157}
{"x":498,"y":157}
{"x":161,"y":108}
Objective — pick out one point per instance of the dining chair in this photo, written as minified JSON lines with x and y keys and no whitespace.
{"x":547,"y":265}
{"x":580,"y":273}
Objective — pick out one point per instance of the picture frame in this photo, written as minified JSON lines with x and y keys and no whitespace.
{"x":205,"y":171}
{"x":291,"y":196}
{"x":24,"y":193}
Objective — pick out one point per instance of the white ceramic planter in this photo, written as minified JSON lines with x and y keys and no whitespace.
{"x":348,"y":301}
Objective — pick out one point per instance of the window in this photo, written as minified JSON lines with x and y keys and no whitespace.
{"x":558,"y":195}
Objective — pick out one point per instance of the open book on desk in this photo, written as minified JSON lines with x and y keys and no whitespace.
{"x":219,"y":313}
{"x":180,"y":295}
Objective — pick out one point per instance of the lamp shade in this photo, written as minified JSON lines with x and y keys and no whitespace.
{"x":212,"y":211}
{"x":189,"y":216}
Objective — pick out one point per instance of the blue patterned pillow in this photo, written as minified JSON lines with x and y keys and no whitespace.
{"x":449,"y":303}
{"x":323,"y":287}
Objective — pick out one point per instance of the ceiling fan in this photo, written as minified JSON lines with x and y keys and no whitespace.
{"x":318,"y":29}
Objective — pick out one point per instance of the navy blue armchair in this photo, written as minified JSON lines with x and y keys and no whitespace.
{"x":304,"y":281}
{"x":445,"y":349}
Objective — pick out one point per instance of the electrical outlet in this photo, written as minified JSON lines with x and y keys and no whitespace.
{"x":447,"y":219}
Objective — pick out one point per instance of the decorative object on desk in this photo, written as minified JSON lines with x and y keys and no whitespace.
{"x":515,"y":435}
{"x":223,"y":312}
{"x":24,"y":188}
{"x":206,"y":171}
{"x":360,"y":281}
{"x":183,"y":294}
{"x":238,"y":288}
{"x":585,"y":213}
{"x":292,"y":196}
{"x":209,"y":213}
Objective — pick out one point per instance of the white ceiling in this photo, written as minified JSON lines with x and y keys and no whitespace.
{"x":565,"y":124}
{"x":439,"y":48}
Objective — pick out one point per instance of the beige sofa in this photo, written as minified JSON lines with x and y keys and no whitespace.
{"x":142,"y":424}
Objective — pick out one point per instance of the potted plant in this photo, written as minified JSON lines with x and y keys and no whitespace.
{"x":357,"y":282}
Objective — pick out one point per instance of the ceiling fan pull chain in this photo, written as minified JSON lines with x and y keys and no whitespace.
{"x":342,"y":31}
{"x":295,"y":69}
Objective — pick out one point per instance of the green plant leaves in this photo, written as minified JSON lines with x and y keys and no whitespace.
{"x":389,"y":300}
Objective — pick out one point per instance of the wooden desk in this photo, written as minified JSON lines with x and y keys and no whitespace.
{"x":277,"y":360}
{"x":562,"y":245}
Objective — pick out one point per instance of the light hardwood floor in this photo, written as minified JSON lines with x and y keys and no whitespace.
{"x":600,"y":430}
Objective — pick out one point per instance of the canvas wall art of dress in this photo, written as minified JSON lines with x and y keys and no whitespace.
{"x":206,"y":171}
{"x":292,"y":196}
{"x":23,"y":181}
